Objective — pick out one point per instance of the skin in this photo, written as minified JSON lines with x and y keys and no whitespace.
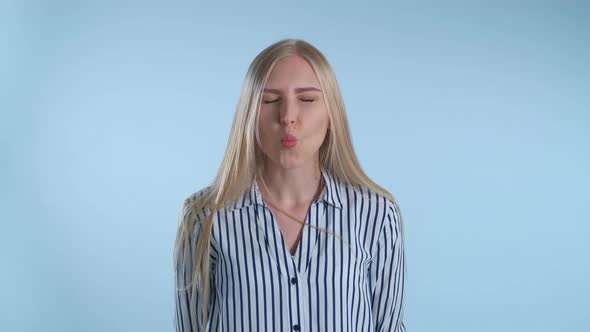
{"x":292,"y":175}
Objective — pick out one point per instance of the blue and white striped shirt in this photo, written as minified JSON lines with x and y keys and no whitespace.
{"x":257,"y":285}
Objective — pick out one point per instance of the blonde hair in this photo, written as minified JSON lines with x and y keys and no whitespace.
{"x":243,"y":160}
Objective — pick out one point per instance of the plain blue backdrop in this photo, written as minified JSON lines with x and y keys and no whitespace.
{"x":473,"y":114}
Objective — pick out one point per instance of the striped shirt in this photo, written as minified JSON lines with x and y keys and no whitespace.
{"x":356,"y":284}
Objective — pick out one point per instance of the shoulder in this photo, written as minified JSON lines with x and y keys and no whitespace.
{"x":192,"y":210}
{"x":195,"y":196}
{"x":370,"y":196}
{"x":383,"y":205}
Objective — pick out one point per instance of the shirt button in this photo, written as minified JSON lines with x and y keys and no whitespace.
{"x":296,"y":327}
{"x":293,"y":280}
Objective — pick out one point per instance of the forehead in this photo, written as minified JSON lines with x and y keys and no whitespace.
{"x":292,"y":70}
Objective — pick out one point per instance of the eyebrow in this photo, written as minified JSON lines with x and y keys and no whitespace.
{"x":297,"y":90}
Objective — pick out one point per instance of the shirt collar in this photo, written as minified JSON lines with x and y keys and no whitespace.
{"x":330,"y":193}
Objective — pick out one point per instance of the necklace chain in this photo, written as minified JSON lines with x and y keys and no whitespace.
{"x":288,"y":214}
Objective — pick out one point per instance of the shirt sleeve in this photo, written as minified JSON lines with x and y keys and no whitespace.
{"x":183,"y":286}
{"x":387,"y":273}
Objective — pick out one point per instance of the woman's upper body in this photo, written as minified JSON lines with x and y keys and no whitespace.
{"x":355,"y":283}
{"x":242,"y":248}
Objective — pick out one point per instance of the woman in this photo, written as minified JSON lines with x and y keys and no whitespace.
{"x":242,"y":245}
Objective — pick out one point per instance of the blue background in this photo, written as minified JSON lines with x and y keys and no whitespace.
{"x":473,"y":114}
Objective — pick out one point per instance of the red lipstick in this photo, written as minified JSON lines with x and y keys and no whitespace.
{"x":289,"y":141}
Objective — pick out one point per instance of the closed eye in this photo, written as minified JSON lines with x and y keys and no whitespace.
{"x":303,"y":100}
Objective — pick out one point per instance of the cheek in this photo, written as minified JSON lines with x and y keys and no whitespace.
{"x":265,"y":129}
{"x":263,"y":116}
{"x":319,"y":123}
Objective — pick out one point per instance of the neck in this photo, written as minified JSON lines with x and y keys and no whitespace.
{"x":290,"y":187}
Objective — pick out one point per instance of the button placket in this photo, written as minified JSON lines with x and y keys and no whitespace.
{"x":296,"y":295}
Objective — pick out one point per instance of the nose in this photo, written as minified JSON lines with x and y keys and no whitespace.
{"x":289,"y":113}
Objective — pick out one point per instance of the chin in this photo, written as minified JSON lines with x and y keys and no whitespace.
{"x":293,"y":162}
{"x":289,"y":164}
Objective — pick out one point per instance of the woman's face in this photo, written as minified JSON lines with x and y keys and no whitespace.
{"x":292,"y":104}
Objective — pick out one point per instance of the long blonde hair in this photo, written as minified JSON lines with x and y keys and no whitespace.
{"x":243,"y":159}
